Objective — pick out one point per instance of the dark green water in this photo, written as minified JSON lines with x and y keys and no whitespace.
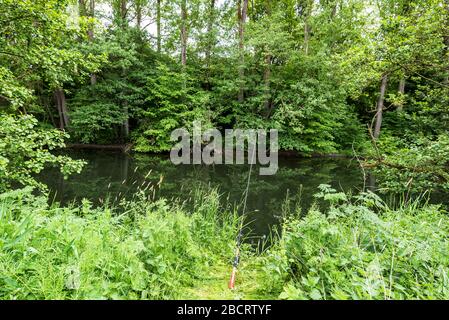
{"x":118,"y":175}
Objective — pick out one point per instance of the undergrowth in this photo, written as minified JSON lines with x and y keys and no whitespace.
{"x":356,"y":247}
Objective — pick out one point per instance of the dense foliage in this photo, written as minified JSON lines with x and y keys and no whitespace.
{"x":358,"y":77}
{"x":311,"y":69}
{"x":360,"y":248}
{"x":25,"y":150}
{"x":155,"y":251}
{"x":356,"y":249}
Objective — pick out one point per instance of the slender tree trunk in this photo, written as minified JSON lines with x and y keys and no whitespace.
{"x":267,"y":79}
{"x":307,"y":28}
{"x":138,"y":14}
{"x":158,"y":25}
{"x":241,"y":14}
{"x":62,"y":108}
{"x":184,"y":33}
{"x":90,"y":32}
{"x":371,"y":182}
{"x":120,"y":13}
{"x":83,"y":12}
{"x":82,"y":8}
{"x":210,"y":40}
{"x":306,"y":37}
{"x":446,"y":39}
{"x":125,"y":126}
{"x":380,"y":106}
{"x":123,"y":12}
{"x":267,"y":71}
{"x":401,"y":90}
{"x":334,"y":11}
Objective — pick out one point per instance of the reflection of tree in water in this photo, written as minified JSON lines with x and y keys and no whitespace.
{"x":120,"y":176}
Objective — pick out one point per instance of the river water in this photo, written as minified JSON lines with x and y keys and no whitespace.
{"x":118,"y":176}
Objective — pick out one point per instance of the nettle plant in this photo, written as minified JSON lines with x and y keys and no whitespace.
{"x":25,"y":150}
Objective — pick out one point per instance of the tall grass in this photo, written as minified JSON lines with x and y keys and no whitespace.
{"x":359,"y":248}
{"x":355,"y":247}
{"x":154,"y":251}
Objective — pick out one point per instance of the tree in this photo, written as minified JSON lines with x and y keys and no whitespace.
{"x":184,"y":35}
{"x":380,"y":106}
{"x":26,"y":150}
{"x":242,"y":9}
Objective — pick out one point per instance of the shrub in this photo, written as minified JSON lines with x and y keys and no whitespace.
{"x":361,"y":249}
{"x":151,"y":251}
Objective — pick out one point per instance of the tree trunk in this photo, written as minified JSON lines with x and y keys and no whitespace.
{"x":401,"y":90}
{"x":267,"y":78}
{"x":82,"y":8}
{"x":307,"y":29}
{"x":380,"y":106}
{"x":83,"y":12}
{"x":446,"y":39}
{"x":184,"y":33}
{"x":210,"y":39}
{"x":123,"y":11}
{"x":158,"y":25}
{"x":120,"y":13}
{"x":138,"y":14}
{"x":306,"y":37}
{"x":90,"y":32}
{"x":267,"y":71}
{"x":125,"y":126}
{"x":241,"y":14}
{"x":62,"y":108}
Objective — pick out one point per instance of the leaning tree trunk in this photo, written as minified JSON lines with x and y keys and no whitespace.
{"x":380,"y":106}
{"x":62,"y":108}
{"x":241,"y":14}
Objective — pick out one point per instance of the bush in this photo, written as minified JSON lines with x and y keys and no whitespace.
{"x":152,"y":251}
{"x":361,"y":249}
{"x":26,"y":149}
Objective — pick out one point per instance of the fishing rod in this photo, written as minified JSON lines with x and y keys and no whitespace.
{"x":236,"y":261}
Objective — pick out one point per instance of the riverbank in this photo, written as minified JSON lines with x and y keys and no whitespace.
{"x":357,"y":249}
{"x":128,"y":147}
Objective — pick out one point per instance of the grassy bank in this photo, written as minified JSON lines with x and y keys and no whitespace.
{"x":357,"y":248}
{"x":151,"y":251}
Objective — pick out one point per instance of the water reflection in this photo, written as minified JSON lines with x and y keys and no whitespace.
{"x":119,"y":175}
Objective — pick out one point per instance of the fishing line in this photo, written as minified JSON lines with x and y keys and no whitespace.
{"x":236,"y":261}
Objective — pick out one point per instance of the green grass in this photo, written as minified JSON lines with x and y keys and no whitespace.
{"x":360,"y":248}
{"x":357,"y":248}
{"x":152,"y":251}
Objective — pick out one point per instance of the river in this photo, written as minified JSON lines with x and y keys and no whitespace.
{"x":118,"y":176}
